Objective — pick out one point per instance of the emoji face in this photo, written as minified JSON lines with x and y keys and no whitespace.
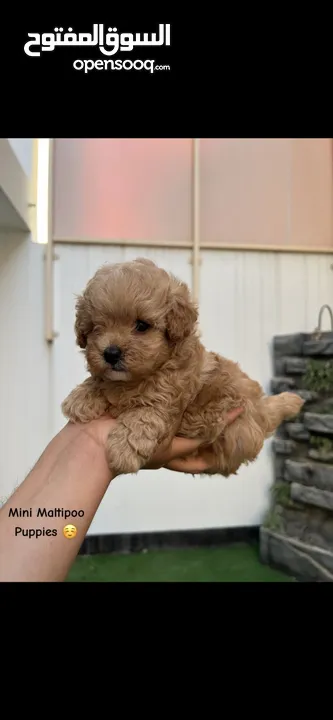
{"x":69,"y":531}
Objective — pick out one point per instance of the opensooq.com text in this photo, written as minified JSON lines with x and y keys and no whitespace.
{"x":143,"y":65}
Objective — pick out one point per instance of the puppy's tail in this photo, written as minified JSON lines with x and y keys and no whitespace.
{"x":278,"y":408}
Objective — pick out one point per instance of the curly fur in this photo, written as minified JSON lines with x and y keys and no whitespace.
{"x":167,"y":383}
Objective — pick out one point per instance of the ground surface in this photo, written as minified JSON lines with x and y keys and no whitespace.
{"x":239,"y":563}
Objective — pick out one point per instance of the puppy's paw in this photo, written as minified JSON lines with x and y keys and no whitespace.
{"x":85,"y":403}
{"x":121,"y":457}
{"x":75,"y":410}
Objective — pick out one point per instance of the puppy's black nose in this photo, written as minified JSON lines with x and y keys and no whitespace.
{"x":112,"y":354}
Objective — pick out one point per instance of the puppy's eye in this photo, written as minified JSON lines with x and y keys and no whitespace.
{"x":141,"y":326}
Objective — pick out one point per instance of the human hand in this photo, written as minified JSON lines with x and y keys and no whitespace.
{"x":175,"y":455}
{"x":178,"y":455}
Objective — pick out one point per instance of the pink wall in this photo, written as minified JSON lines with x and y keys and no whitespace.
{"x":275,"y":192}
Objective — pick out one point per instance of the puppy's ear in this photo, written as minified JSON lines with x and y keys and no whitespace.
{"x":182,"y":314}
{"x":83,"y":322}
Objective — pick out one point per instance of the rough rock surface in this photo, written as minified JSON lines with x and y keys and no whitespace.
{"x":294,"y":366}
{"x":289,"y":344}
{"x":283,"y":447}
{"x":311,"y":496}
{"x":309,"y":473}
{"x":319,"y":423}
{"x":322,"y":346}
{"x":297,"y":533}
{"x":301,"y":560}
{"x":282,"y":384}
{"x":308,"y":395}
{"x":297,"y":431}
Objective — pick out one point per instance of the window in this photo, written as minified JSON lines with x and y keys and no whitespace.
{"x":273,"y":194}
{"x":127,"y":190}
{"x":270,"y":193}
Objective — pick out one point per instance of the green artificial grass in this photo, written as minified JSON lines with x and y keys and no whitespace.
{"x":237,"y":563}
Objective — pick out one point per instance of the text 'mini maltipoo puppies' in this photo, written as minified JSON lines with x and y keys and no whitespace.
{"x":137,"y":326}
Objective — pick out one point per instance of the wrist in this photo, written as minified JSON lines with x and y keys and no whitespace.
{"x":97,"y":430}
{"x":75,"y":453}
{"x":88,"y":441}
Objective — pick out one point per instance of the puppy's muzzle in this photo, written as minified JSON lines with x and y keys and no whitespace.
{"x":113,"y":355}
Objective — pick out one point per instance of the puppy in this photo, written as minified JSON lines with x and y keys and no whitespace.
{"x":137,"y":326}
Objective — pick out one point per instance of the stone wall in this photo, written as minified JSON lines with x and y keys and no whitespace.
{"x":297,"y":533}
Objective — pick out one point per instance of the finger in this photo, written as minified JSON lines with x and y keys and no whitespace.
{"x":188,"y":465}
{"x":162,"y":449}
{"x":184,"y":446}
{"x":234,"y":414}
{"x":180,"y":447}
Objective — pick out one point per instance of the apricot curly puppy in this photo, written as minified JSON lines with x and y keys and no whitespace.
{"x":138,"y":328}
